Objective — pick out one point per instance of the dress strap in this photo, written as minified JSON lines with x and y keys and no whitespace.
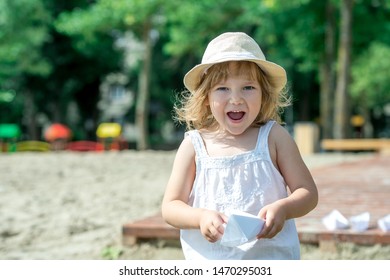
{"x":262,"y":142}
{"x":198,"y":143}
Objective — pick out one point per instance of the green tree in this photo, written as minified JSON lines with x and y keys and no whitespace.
{"x":341,"y":105}
{"x":371,"y":86}
{"x":105,"y":16}
{"x":327,"y":73}
{"x":56,"y":52}
{"x":79,"y":66}
{"x":24,"y":30}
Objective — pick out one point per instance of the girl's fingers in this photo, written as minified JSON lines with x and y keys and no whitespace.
{"x":267,"y":229}
{"x":216,"y":232}
{"x":212,"y":225}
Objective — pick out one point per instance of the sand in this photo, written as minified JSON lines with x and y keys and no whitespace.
{"x":71,"y":205}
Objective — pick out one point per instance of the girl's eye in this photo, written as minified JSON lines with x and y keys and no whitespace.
{"x":222,"y":89}
{"x":249,"y":88}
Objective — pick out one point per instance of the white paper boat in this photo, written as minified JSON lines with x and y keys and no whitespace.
{"x":335,"y":220}
{"x":384,"y":223}
{"x":360,"y":222}
{"x":241,"y":228}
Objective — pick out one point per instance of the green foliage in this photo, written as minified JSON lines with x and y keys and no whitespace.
{"x":11,"y":107}
{"x":306,"y":49}
{"x":105,"y":16}
{"x":61,"y":50}
{"x":370,"y":74}
{"x":191,"y":24}
{"x":23,"y":30}
{"x":7,"y":96}
{"x":112,"y":253}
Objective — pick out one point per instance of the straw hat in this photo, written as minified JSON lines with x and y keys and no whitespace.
{"x":235,"y":46}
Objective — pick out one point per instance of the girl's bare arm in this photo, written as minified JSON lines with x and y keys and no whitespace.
{"x":175,"y":208}
{"x":304,"y":195}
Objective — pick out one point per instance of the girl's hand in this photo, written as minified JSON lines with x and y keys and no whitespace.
{"x":274,"y":215}
{"x":211,"y":225}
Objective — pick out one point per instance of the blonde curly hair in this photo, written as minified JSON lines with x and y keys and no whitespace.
{"x":192,"y":108}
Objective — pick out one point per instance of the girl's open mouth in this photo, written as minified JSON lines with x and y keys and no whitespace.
{"x":235,"y":115}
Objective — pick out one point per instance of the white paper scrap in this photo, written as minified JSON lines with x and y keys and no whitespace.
{"x":384,"y":223}
{"x":360,"y":222}
{"x":241,"y":228}
{"x":335,"y":220}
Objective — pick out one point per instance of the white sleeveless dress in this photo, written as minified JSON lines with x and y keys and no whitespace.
{"x":244,"y":182}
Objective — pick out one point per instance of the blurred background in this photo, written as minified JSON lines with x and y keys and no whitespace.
{"x":120,"y":64}
{"x":96,"y":75}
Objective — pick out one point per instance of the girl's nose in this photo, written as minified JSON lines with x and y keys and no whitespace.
{"x":236,"y":98}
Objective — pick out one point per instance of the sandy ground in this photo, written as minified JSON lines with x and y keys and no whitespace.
{"x":68,"y":205}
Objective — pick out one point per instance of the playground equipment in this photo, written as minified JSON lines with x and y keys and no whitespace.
{"x":9,"y":134}
{"x":84,"y":146}
{"x":109,"y":135}
{"x":58,"y":135}
{"x":32,"y":146}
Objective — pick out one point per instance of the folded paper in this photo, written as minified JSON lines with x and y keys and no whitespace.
{"x":360,"y":222}
{"x":241,"y":228}
{"x":384,"y":223}
{"x":335,"y":220}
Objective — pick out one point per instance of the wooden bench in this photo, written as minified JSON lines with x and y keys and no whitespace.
{"x":364,"y":144}
{"x":153,"y":227}
{"x":371,"y":236}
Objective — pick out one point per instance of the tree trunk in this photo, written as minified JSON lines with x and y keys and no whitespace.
{"x":30,"y":116}
{"x":342,"y":114}
{"x":327,"y":73}
{"x":142,"y":107}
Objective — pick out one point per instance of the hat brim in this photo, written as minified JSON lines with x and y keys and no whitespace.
{"x":275,"y":73}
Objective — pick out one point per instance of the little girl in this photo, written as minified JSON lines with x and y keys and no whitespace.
{"x":236,"y":157}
